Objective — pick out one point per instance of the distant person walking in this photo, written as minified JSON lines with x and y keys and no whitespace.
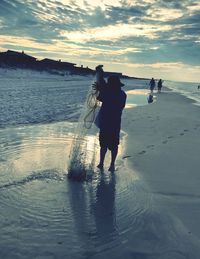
{"x":152,"y":85}
{"x":160,"y":85}
{"x":113,"y":100}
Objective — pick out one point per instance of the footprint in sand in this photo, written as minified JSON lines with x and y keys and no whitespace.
{"x":170,"y":137}
{"x":165,"y":142}
{"x":150,"y":146}
{"x":181,"y":134}
{"x":196,"y":127}
{"x":142,"y":152}
{"x":124,"y":157}
{"x":185,"y":130}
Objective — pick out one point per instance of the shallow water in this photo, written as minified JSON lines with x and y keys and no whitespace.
{"x":187,"y":89}
{"x":137,"y":97}
{"x":45,"y":215}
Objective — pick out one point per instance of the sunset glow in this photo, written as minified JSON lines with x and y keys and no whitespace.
{"x":139,"y":38}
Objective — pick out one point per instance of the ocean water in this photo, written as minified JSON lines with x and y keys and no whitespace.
{"x":32,"y":97}
{"x":187,"y":89}
{"x":45,"y":215}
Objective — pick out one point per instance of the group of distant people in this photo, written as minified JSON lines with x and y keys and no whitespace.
{"x":152,"y":85}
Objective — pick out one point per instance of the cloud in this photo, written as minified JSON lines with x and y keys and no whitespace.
{"x":164,"y":14}
{"x":39,"y":19}
{"x":130,"y":31}
{"x":114,"y":32}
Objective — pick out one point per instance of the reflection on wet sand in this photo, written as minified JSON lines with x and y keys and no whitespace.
{"x":136,"y":97}
{"x":103,"y":209}
{"x":96,"y":226}
{"x":108,"y":216}
{"x":30,"y":149}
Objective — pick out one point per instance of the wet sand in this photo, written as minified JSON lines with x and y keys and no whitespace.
{"x":45,"y":215}
{"x":163,"y":149}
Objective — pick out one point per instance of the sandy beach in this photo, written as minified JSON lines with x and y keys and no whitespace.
{"x":163,"y":149}
{"x":63,"y":61}
{"x":147,"y":209}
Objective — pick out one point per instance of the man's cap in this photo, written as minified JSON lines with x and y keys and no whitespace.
{"x":99,"y":66}
{"x":114,"y":81}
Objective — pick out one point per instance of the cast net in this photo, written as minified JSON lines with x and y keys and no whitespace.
{"x":82,"y":153}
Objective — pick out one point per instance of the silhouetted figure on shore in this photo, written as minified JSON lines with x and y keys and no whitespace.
{"x":113,"y":100}
{"x":152,"y":85}
{"x":160,"y":85}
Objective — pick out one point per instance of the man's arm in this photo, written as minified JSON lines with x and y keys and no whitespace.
{"x":102,"y":93}
{"x":99,"y":97}
{"x":124,"y":100}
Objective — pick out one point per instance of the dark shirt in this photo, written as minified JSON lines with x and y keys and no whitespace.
{"x":160,"y":84}
{"x":152,"y":84}
{"x":113,"y":102}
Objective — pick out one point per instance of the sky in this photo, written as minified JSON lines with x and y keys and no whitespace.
{"x":142,"y":38}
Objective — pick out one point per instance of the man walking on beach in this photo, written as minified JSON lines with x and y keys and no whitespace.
{"x":113,"y":100}
{"x":152,"y":84}
{"x":160,"y":85}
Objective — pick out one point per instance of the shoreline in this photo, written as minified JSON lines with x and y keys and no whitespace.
{"x":162,"y":147}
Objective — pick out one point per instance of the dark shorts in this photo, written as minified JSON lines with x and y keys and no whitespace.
{"x":109,"y":140}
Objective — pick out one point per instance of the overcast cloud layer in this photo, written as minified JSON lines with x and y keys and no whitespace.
{"x":137,"y":37}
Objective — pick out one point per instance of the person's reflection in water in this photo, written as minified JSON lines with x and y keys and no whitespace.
{"x":92,"y":206}
{"x":104,"y":212}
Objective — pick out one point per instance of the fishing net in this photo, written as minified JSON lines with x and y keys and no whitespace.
{"x":82,"y":153}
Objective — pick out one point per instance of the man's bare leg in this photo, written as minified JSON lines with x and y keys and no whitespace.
{"x":113,"y":158}
{"x":103,"y":151}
